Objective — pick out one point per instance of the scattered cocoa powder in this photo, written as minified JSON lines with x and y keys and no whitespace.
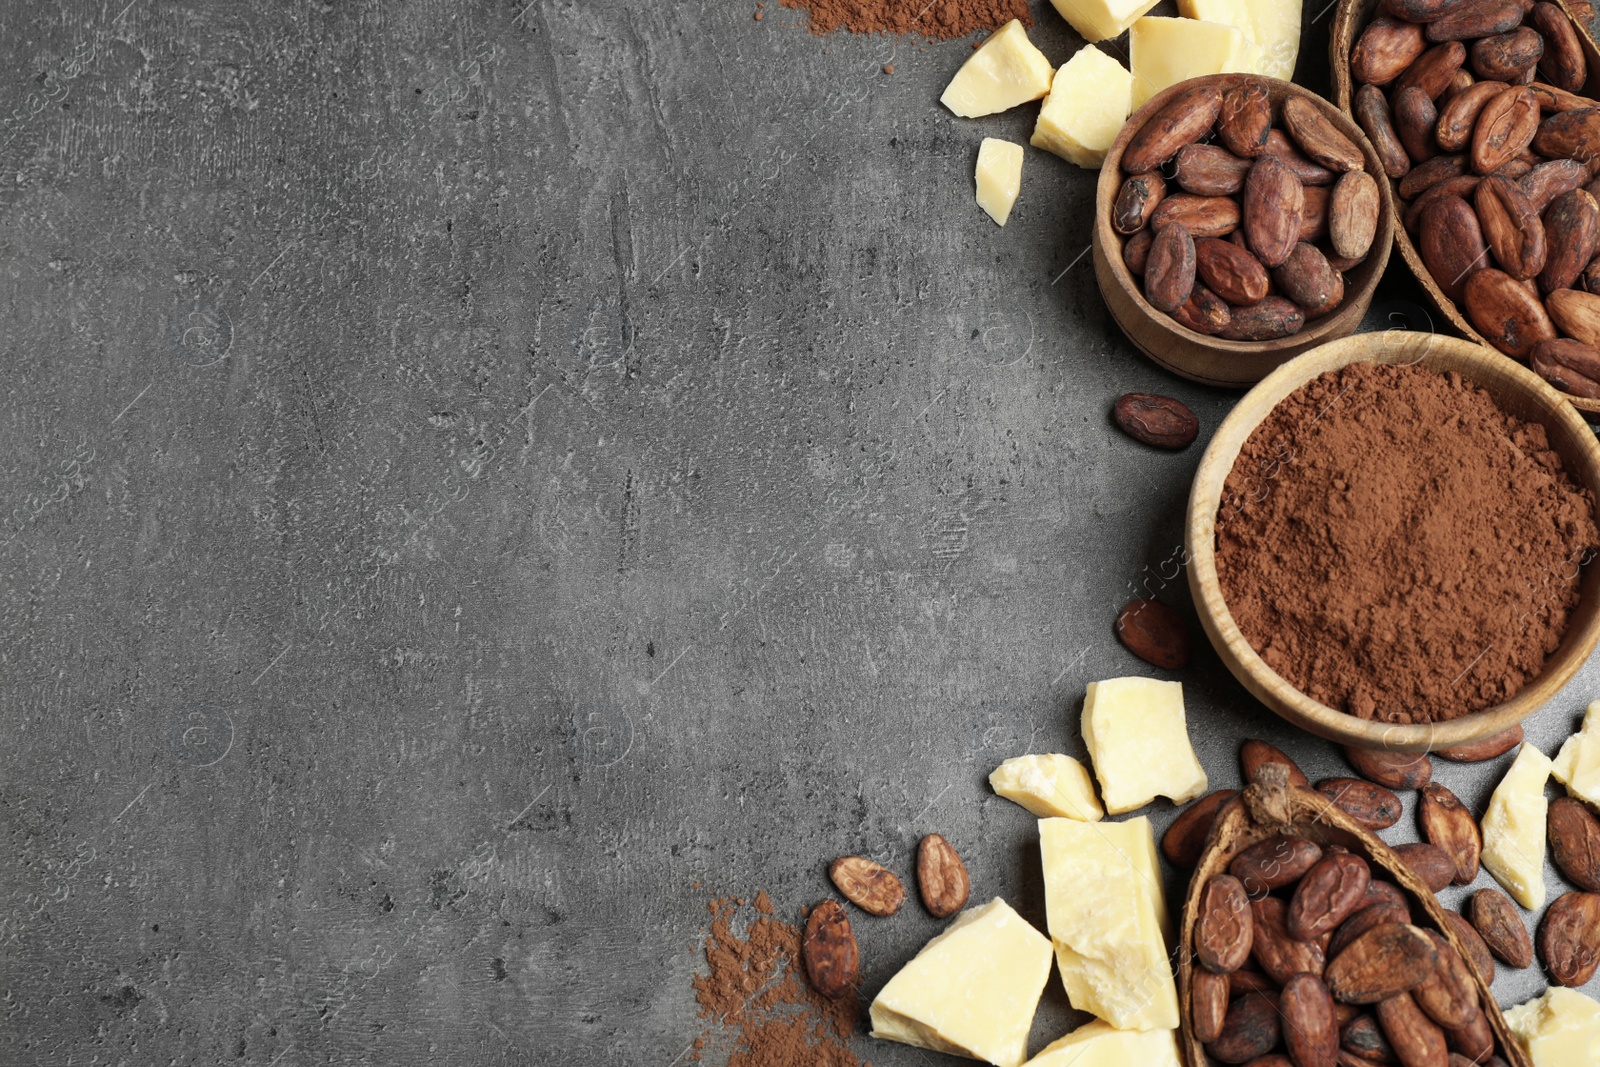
{"x":939,"y":19}
{"x":1398,"y":547}
{"x":756,"y":995}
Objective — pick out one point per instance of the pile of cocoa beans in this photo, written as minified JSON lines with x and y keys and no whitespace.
{"x":1271,"y":205}
{"x":1472,"y":107}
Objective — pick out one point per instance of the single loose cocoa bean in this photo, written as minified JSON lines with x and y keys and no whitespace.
{"x":1138,"y":199}
{"x":1385,"y":49}
{"x":1184,"y":119}
{"x":1549,"y":180}
{"x":1249,"y":980}
{"x":1577,"y":314}
{"x":1422,"y":11}
{"x":1274,"y":863}
{"x":1447,"y":823}
{"x":1327,"y":895}
{"x":1569,"y":938}
{"x":1373,"y":806}
{"x":1246,"y":118}
{"x":1154,"y":631}
{"x":1473,"y":945}
{"x":1136,"y":251}
{"x":1511,"y":227}
{"x":1488,"y":748}
{"x":1462,"y":187}
{"x":1185,"y":840}
{"x":1430,"y":863}
{"x":1253,"y":755}
{"x":942,"y":879}
{"x":1555,"y":362}
{"x":1381,"y":892}
{"x":828,"y":948}
{"x":1362,"y":1037}
{"x":1314,"y":211}
{"x":1574,"y":831}
{"x":1500,"y":923}
{"x":1437,"y":170}
{"x":1474,"y":1042}
{"x":1571,"y":134}
{"x":870,"y":886}
{"x":1234,"y":273}
{"x":1364,"y":918}
{"x":1390,"y":769}
{"x":1281,"y":147}
{"x":1506,"y":312}
{"x":1169,"y":268}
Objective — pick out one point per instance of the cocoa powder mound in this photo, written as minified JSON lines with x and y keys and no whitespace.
{"x":755,"y":993}
{"x":938,"y":19}
{"x":1398,"y":547}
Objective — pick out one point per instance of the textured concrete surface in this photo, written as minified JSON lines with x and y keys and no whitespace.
{"x":482,"y":479}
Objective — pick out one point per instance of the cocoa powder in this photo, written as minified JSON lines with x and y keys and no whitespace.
{"x":763,"y":1013}
{"x":1396,"y":546}
{"x":937,"y":19}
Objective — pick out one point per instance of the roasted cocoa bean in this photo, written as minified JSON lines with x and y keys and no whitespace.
{"x":1416,"y":1039}
{"x":1151,"y":630}
{"x":1391,"y":769}
{"x":1448,"y":995}
{"x":1318,"y":137}
{"x":1310,"y":1026}
{"x":1274,"y":863}
{"x":1208,"y":1004}
{"x":1185,"y":840}
{"x":1250,"y":1029}
{"x":1136,"y":251}
{"x":1570,"y":135}
{"x":1383,"y":962}
{"x":1433,"y":70}
{"x":1463,"y":187}
{"x":1364,"y":919}
{"x":1327,"y":895}
{"x":1569,"y":938}
{"x":1385,"y":49}
{"x":1500,"y":923}
{"x":1553,"y":361}
{"x":1577,"y":314}
{"x":1511,"y":227}
{"x":1506,"y":126}
{"x":1363,"y":1037}
{"x":1474,"y":947}
{"x":1447,"y":823}
{"x":1202,"y":216}
{"x":1307,"y":279}
{"x":1253,"y":755}
{"x":1507,"y":57}
{"x":1207,"y":170}
{"x":1571,"y":237}
{"x":1544,"y":183}
{"x":1222,"y":928}
{"x":1507,"y":313}
{"x":1474,"y":1041}
{"x":1373,"y":806}
{"x":1372,"y":114}
{"x":1138,"y":199}
{"x":1430,"y":863}
{"x":1414,"y":120}
{"x":1184,"y":119}
{"x":1273,"y":197}
{"x":1458,"y":118}
{"x":1169,"y":268}
{"x":1245,"y":119}
{"x":1233,"y":273}
{"x":1434,"y":172}
{"x":1573,"y":830}
{"x":1314,"y":211}
{"x":1488,"y":748}
{"x":1267,"y":320}
{"x":1204,"y":312}
{"x":1309,"y":173}
{"x":1484,"y":18}
{"x":1279,"y":954}
{"x":1563,"y":62}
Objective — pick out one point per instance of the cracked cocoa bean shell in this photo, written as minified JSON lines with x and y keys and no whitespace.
{"x":1500,"y":924}
{"x":1387,"y":960}
{"x":1569,"y":938}
{"x":1575,"y":840}
{"x":1448,"y":824}
{"x":1154,"y":632}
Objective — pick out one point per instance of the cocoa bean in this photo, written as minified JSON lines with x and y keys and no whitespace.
{"x":1314,"y":211}
{"x":1563,"y":61}
{"x":1460,"y":115}
{"x":1577,"y":314}
{"x":1416,"y":1039}
{"x":828,"y":948}
{"x":1327,"y":895}
{"x":1169,"y":268}
{"x":1245,"y":119}
{"x":1306,"y":278}
{"x":1569,"y":938}
{"x":1422,"y":11}
{"x":1183,"y":120}
{"x":1136,"y":251}
{"x":1373,"y":806}
{"x":1274,"y":863}
{"x":1363,"y":1037}
{"x":1554,"y":362}
{"x":1414,"y":120}
{"x":1549,"y":180}
{"x":1433,"y":71}
{"x":1383,"y":962}
{"x":1500,"y":923}
{"x":1506,"y":126}
{"x":1437,"y":170}
{"x":1207,"y":170}
{"x":1202,"y":216}
{"x":1385,"y":49}
{"x":1250,"y":1029}
{"x":1233,"y":273}
{"x":1474,"y":1041}
{"x":1507,"y":57}
{"x":1381,"y":892}
{"x":1473,"y":945}
{"x":1253,"y":755}
{"x":942,"y":879}
{"x":1372,"y":114}
{"x":1137,"y":201}
{"x":1570,"y":134}
{"x":1460,"y":82}
{"x":1318,"y":137}
{"x":1249,"y":980}
{"x":1390,"y":769}
{"x":1448,"y":824}
{"x":1185,"y":840}
{"x":1151,"y":630}
{"x":1267,"y":320}
{"x":1364,"y":919}
{"x":1574,"y":831}
{"x":1430,"y":863}
{"x":1552,"y":98}
{"x":1208,"y":1004}
{"x":1571,"y":235}
{"x":1310,"y":1027}
{"x":1223,"y":928}
{"x":1273,"y":197}
{"x":1485,"y":18}
{"x":1506,"y":313}
{"x":1280,"y":955}
{"x":1511,"y":227}
{"x":1488,"y":748}
{"x":1309,"y":173}
{"x":1462,"y":187}
{"x":1448,"y":995}
{"x":1204,"y":312}
{"x":870,"y":886}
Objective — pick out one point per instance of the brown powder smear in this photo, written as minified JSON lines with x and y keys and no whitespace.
{"x":938,"y":19}
{"x":1397,"y":547}
{"x":755,"y":992}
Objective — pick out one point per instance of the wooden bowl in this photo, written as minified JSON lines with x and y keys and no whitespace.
{"x":1351,"y":18}
{"x":1212,"y":360}
{"x":1518,"y":391}
{"x":1270,"y":805}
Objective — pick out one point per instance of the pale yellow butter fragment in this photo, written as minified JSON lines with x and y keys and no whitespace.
{"x":1514,"y":828}
{"x":1089,"y":101}
{"x":1139,"y":743}
{"x":1559,"y":1029}
{"x":1163,"y":52}
{"x":1050,"y":785}
{"x":1577,"y":765}
{"x":972,"y":990}
{"x":1273,"y":26}
{"x":999,"y":177}
{"x":1096,"y":20}
{"x":1008,"y":70}
{"x":1099,"y":1044}
{"x":1107,"y":914}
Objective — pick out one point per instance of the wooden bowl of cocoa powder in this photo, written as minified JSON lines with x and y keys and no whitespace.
{"x":1210,"y":359}
{"x":1567,"y":604}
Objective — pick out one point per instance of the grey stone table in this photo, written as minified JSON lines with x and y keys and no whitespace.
{"x":481,"y":479}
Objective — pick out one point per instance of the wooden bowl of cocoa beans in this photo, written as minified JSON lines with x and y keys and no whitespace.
{"x":1303,"y":933}
{"x":1487,"y":116}
{"x":1516,"y":390}
{"x":1238,"y":223}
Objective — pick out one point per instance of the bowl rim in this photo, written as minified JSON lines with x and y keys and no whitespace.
{"x":1474,"y":362}
{"x":1346,"y":318}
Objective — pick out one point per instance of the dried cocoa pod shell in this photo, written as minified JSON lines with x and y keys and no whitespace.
{"x":1500,"y":924}
{"x":1327,"y":895}
{"x":1280,"y":146}
{"x":942,"y":879}
{"x":1422,"y":11}
{"x":1563,"y":61}
{"x":1280,"y":955}
{"x":1448,"y":995}
{"x":1582,"y":10}
{"x":1549,"y":180}
{"x":1473,"y":944}
{"x":1506,"y":312}
{"x":1138,"y":199}
{"x":1569,"y":134}
{"x":1169,"y":268}
{"x":1267,"y":320}
{"x":1507,"y":124}
{"x":1184,"y":119}
{"x":1307,"y":279}
{"x":1573,"y":830}
{"x":1253,"y":755}
{"x":1372,"y":114}
{"x":1223,"y":928}
{"x":1151,"y":630}
{"x":1207,"y":170}
{"x":1435,"y":171}
{"x":1365,"y":919}
{"x":1507,"y":57}
{"x":1208,"y":1004}
{"x":1250,"y":1029}
{"x":1448,"y":824}
{"x":1385,"y":49}
{"x":1414,"y":120}
{"x":1204,"y":312}
{"x":1577,"y":314}
{"x":1458,"y":118}
{"x":1136,"y":251}
{"x":828,"y":948}
{"x":1485,"y":18}
{"x":1363,"y":1038}
{"x":1274,"y":863}
{"x":1383,"y":962}
{"x":1474,"y":1042}
{"x":1273,"y":197}
{"x":1202,"y":216}
{"x":1511,"y":228}
{"x":1372,"y":806}
{"x":1488,"y":748}
{"x":1551,"y":361}
{"x":1463,"y":187}
{"x":1245,"y":120}
{"x":1310,"y":1025}
{"x":1415,"y":1038}
{"x":1233,"y":273}
{"x":1552,"y":98}
{"x":1318,"y":137}
{"x":1392,"y":770}
{"x":1569,"y":938}
{"x":1571,"y":237}
{"x":1434,"y":69}
{"x":1430,"y":863}
{"x":1185,"y":839}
